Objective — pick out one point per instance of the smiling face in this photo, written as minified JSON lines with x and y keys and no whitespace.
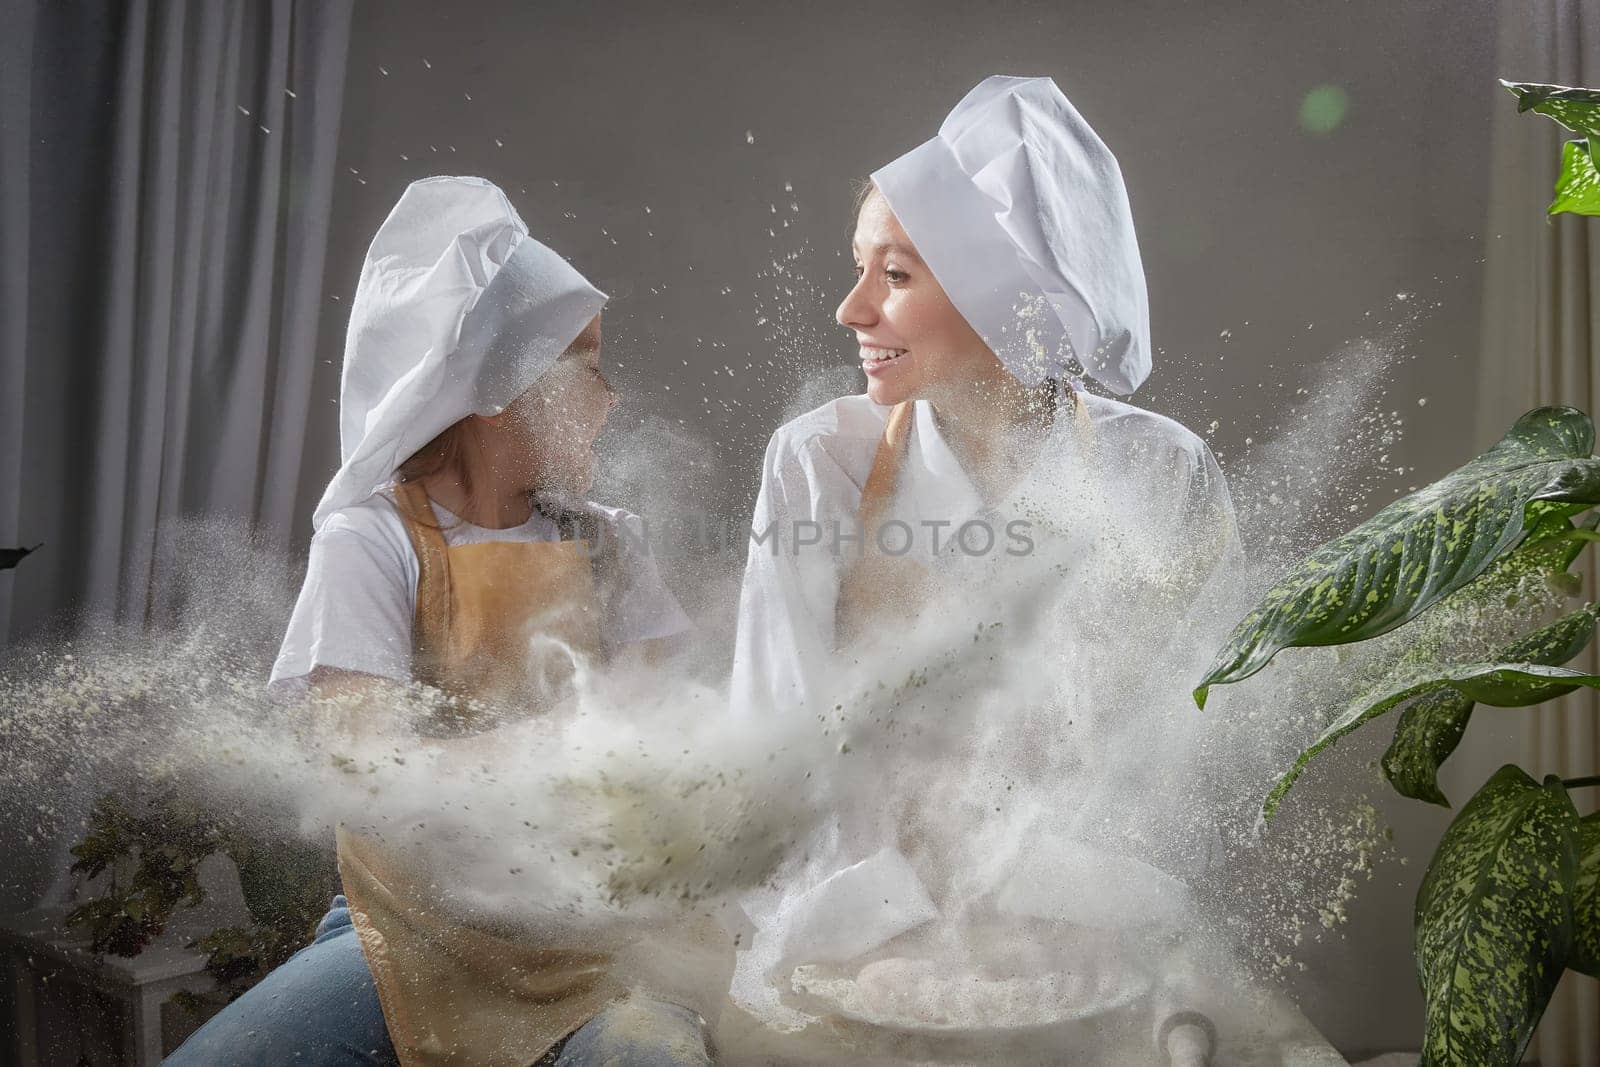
{"x":551,"y":428}
{"x":914,"y":343}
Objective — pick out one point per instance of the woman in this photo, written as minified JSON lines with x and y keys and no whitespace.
{"x":995,"y":264}
{"x":446,"y":544}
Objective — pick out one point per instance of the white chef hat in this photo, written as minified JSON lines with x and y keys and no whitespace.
{"x":1020,"y":212}
{"x":458,"y":310}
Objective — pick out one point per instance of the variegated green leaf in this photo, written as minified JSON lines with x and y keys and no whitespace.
{"x":1577,"y":109}
{"x":1586,"y":900}
{"x":1506,"y":685}
{"x":1494,"y":920}
{"x":1578,"y":183}
{"x":1432,"y":724}
{"x":1430,"y":728}
{"x":1422,"y":547}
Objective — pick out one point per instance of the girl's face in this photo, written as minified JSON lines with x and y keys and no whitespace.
{"x":914,"y":343}
{"x":552,"y":426}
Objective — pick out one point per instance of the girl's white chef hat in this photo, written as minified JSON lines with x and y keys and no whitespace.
{"x":457,"y":312}
{"x":1019,"y":210}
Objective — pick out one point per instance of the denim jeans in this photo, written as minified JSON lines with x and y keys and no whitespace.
{"x":321,"y":1009}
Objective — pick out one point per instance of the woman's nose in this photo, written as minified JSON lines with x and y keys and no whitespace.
{"x":858,"y":308}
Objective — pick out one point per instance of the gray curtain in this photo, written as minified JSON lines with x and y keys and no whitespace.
{"x":168,"y":172}
{"x":1541,"y":336}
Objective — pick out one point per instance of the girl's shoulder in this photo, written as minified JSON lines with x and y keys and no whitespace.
{"x":375,"y":519}
{"x":623,"y":528}
{"x":615,"y":519}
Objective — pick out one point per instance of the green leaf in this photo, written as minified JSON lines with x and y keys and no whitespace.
{"x":1494,"y":920}
{"x":1430,"y":728}
{"x":1432,"y":724}
{"x":111,"y":836}
{"x":1506,"y":685}
{"x":1578,"y":184}
{"x":1575,"y":108}
{"x":1422,"y":547}
{"x":1586,"y":900}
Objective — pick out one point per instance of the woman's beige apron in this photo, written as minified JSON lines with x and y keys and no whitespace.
{"x":879,"y":585}
{"x":453,"y":993}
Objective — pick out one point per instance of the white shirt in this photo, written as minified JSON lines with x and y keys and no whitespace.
{"x":1139,"y":484}
{"x":359,"y":600}
{"x":1158,"y":477}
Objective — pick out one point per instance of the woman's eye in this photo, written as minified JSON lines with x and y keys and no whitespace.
{"x":858,"y":270}
{"x":896,"y":276}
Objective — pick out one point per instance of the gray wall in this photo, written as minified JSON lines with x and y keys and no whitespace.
{"x":1243,"y":218}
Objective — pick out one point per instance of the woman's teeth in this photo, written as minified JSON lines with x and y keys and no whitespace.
{"x":881,"y":355}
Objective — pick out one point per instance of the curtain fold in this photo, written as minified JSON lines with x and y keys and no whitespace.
{"x":16,"y":72}
{"x":1541,"y":322}
{"x":166,"y":184}
{"x":168,"y":171}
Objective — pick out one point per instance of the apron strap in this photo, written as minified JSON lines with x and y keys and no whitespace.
{"x":431,"y":631}
{"x":873,"y":580}
{"x":886,"y":464}
{"x":866,"y":583}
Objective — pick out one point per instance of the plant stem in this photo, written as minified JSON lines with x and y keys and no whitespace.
{"x":1581,"y":783}
{"x":1580,"y":535}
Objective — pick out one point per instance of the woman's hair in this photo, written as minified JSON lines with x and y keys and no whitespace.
{"x":864,"y":190}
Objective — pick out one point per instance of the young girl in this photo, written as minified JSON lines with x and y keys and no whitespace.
{"x":446,"y":545}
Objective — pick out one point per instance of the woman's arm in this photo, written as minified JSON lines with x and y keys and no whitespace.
{"x":784,"y":647}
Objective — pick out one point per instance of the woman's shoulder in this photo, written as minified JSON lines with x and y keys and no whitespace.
{"x":1135,"y":429}
{"x":849,"y":417}
{"x":844,"y":433}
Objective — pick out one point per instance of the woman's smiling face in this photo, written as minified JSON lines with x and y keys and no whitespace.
{"x":914,"y":343}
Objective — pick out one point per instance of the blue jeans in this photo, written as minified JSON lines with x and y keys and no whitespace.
{"x":321,"y":1009}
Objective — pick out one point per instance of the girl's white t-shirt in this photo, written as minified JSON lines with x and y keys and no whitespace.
{"x":359,"y":600}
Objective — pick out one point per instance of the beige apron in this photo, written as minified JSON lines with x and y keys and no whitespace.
{"x":454,"y":993}
{"x":876,"y":584}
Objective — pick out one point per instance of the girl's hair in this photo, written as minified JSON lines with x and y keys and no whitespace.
{"x":446,"y":453}
{"x":449,"y":452}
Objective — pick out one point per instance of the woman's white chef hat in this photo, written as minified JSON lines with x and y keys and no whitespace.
{"x":458,"y":310}
{"x":1020,"y":212}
